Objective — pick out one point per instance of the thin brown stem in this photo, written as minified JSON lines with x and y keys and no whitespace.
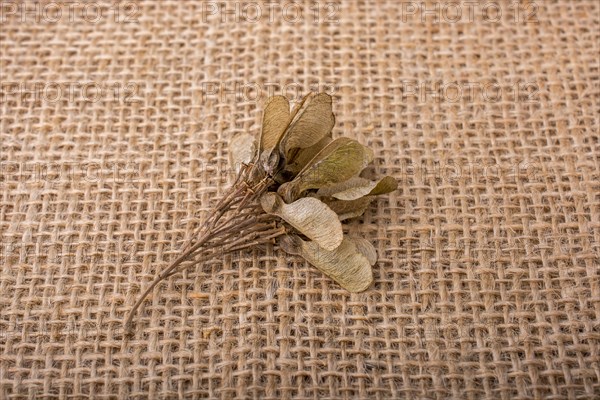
{"x":185,"y":256}
{"x":239,"y":244}
{"x":239,"y":204}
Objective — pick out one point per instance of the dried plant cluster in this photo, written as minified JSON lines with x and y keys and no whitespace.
{"x":298,"y":184}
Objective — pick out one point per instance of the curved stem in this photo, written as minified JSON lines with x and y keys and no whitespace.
{"x":236,"y":246}
{"x":238,"y":198}
{"x":185,"y":256}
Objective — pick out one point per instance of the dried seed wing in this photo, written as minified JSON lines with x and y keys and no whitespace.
{"x":312,"y":122}
{"x":299,"y":161}
{"x":345,"y":265}
{"x":242,"y":150}
{"x":348,"y":209}
{"x":365,"y":248}
{"x":385,"y":185}
{"x":290,"y":244}
{"x":308,"y":215}
{"x":340,"y":160}
{"x":276,"y":119}
{"x":357,"y":187}
{"x":298,"y":106}
{"x":351,"y":189}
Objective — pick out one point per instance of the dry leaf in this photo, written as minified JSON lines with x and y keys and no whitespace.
{"x":313,"y":120}
{"x":365,"y":248}
{"x":300,"y":104}
{"x":357,"y":187}
{"x":345,"y":264}
{"x":340,"y":160}
{"x":348,"y":209}
{"x":309,"y":216}
{"x":295,"y":165}
{"x":276,"y":119}
{"x":351,"y":189}
{"x":242,"y":150}
{"x":385,"y":185}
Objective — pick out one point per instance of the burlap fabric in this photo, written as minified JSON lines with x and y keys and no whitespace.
{"x":114,"y":128}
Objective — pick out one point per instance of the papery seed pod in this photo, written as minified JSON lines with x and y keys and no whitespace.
{"x":346,"y":264}
{"x":242,"y":150}
{"x":309,"y":216}
{"x":365,"y":248}
{"x":276,"y":119}
{"x":339,"y":161}
{"x":348,"y":209}
{"x":358,"y":187}
{"x":303,"y":157}
{"x":311,"y":123}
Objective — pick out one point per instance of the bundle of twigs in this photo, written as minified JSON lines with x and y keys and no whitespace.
{"x":299,"y":183}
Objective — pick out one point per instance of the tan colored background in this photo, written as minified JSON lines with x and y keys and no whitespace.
{"x":114,"y":134}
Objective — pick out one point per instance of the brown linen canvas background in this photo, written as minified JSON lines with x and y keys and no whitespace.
{"x":487,"y":284}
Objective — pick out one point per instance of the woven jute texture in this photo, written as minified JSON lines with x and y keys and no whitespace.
{"x":115,"y":121}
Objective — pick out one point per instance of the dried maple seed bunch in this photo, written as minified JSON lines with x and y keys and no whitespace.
{"x":297,"y":183}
